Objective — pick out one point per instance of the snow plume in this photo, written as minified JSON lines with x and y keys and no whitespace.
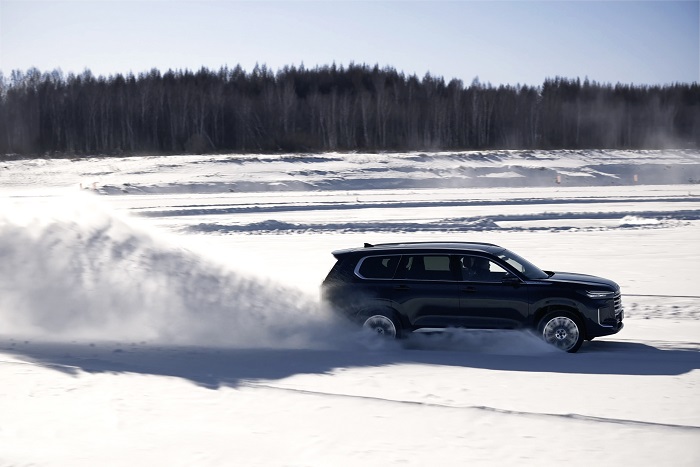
{"x":74,"y":270}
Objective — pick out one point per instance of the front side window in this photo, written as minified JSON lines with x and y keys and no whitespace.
{"x":425,"y":267}
{"x":480,"y":269}
{"x":522,"y":265}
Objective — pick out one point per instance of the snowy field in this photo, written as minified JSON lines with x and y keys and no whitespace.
{"x":164,"y":311}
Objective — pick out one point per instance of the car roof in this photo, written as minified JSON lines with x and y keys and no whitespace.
{"x":415,"y":246}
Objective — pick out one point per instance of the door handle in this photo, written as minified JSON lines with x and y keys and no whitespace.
{"x":402,"y":287}
{"x":469,"y":289}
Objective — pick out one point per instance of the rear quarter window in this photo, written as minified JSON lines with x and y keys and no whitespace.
{"x":378,"y":267}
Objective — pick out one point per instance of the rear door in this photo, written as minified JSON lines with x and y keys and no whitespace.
{"x":426,"y":290}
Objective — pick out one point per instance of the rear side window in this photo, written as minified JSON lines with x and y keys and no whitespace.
{"x":378,"y":267}
{"x":426,"y":267}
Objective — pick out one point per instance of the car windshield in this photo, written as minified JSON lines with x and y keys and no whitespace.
{"x":522,"y":265}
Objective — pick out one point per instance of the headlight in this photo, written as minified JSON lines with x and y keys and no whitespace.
{"x":600,"y":294}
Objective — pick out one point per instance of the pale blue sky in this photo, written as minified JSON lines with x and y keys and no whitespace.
{"x":501,"y":42}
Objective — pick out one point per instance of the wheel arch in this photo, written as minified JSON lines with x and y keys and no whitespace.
{"x":380,"y":305}
{"x":389,"y":312}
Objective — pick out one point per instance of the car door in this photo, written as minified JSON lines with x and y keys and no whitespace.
{"x":426,"y":290}
{"x":491,"y":297}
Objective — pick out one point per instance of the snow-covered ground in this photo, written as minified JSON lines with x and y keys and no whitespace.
{"x":167,"y":314}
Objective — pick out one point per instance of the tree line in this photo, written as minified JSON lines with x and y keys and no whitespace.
{"x":330,"y":108}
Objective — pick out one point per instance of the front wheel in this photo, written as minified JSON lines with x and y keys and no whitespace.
{"x":562,"y":330}
{"x":383,"y":324}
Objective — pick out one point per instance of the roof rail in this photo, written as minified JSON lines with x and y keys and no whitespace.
{"x":368,"y":245}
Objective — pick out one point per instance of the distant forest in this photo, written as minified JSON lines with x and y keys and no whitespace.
{"x":330,"y":108}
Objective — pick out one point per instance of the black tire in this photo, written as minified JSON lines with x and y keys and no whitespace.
{"x":382,"y":322}
{"x":563,"y":330}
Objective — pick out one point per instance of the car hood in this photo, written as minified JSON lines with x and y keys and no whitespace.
{"x":583,"y":279}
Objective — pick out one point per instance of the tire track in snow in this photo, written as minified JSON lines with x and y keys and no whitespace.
{"x":228,"y":209}
{"x":484,"y":408}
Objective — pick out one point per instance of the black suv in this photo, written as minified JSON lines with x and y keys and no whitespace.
{"x":395,"y":288}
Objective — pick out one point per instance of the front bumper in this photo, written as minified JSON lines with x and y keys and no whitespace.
{"x":609,"y":318}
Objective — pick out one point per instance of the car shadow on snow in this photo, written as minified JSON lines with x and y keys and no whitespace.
{"x":523,"y":351}
{"x":230,"y":367}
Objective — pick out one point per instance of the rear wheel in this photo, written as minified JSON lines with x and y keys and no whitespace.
{"x":384,"y":324}
{"x":562,"y":330}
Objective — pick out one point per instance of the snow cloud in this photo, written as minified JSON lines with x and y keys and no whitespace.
{"x":72,"y":269}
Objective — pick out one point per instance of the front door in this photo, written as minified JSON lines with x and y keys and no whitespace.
{"x":486,"y":300}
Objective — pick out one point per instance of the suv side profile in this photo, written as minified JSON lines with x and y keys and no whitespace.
{"x":397,"y":288}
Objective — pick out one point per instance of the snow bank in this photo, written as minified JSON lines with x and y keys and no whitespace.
{"x":634,"y":221}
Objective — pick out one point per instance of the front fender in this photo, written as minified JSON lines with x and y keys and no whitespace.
{"x":549,"y":304}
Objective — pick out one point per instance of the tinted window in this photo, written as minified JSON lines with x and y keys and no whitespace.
{"x":378,"y":267}
{"x":477,"y":268}
{"x":522,"y":265}
{"x":426,"y":267}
